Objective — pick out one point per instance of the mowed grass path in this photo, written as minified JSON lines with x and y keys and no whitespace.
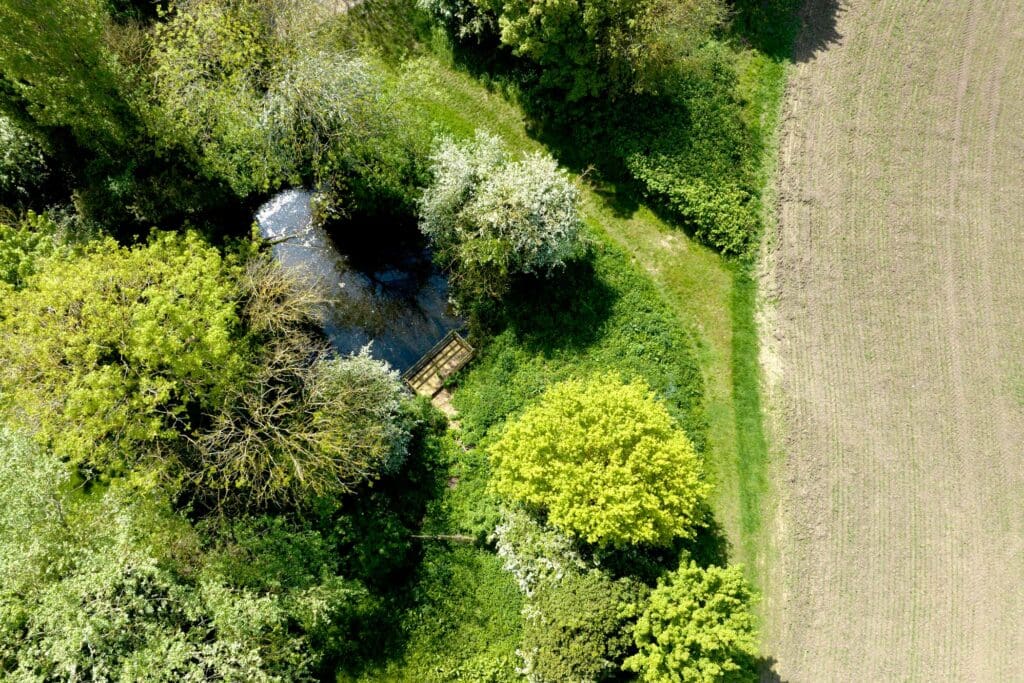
{"x":712,"y":297}
{"x":899,"y":275}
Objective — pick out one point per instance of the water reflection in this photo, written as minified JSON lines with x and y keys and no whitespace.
{"x":397,"y":299}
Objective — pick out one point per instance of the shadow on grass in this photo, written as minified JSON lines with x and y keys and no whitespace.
{"x":564,"y":313}
{"x":787,"y":29}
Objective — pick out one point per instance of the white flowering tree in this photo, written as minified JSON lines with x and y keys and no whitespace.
{"x":490,"y":217}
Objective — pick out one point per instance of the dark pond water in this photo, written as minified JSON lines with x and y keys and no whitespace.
{"x":381,"y":284}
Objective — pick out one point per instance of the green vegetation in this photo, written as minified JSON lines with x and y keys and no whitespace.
{"x":108,"y":353}
{"x":490,"y":218}
{"x":602,"y":460}
{"x":697,"y":626}
{"x":211,"y":491}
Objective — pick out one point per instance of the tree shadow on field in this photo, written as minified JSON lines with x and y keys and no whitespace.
{"x":817,"y":28}
{"x":766,"y":670}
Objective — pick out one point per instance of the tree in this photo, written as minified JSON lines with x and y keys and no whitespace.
{"x":58,"y":72}
{"x":489,"y":217}
{"x":257,"y":111}
{"x":298,"y":428}
{"x":577,"y":628}
{"x":22,"y":164}
{"x":697,"y":627}
{"x":590,"y":48}
{"x":113,"y":585}
{"x":111,"y":355}
{"x":213,"y":62}
{"x":604,"y":461}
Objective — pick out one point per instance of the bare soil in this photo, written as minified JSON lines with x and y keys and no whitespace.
{"x":896,"y":288}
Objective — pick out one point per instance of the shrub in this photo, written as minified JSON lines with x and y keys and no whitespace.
{"x":604,"y":461}
{"x":697,"y":627}
{"x":578,"y":627}
{"x":329,"y":121}
{"x":490,"y":217}
{"x":256,"y":111}
{"x":533,"y":553}
{"x":23,"y":245}
{"x":112,"y":354}
{"x":463,"y":17}
{"x":693,"y":154}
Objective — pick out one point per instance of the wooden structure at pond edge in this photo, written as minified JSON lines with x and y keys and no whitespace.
{"x":444,"y":359}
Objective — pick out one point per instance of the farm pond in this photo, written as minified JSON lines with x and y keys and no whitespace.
{"x":393,"y":298}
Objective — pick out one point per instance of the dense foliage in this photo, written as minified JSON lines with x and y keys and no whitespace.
{"x":115,"y":586}
{"x":577,"y":620}
{"x":57,"y":72}
{"x":111,"y":355}
{"x":22,"y":163}
{"x":595,"y":47}
{"x":604,"y":461}
{"x":194,"y":486}
{"x":697,"y":626}
{"x":166,"y":355}
{"x":578,"y":628}
{"x":490,"y":217}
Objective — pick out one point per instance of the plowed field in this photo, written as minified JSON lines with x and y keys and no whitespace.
{"x":896,"y":346}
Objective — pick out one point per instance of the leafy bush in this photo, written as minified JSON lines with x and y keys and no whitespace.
{"x":331,"y":122}
{"x":694,"y":155}
{"x":213,"y":61}
{"x":111,"y":355}
{"x":490,"y":217}
{"x":578,"y":627}
{"x":533,"y":553}
{"x":257,"y":111}
{"x":604,"y":461}
{"x":23,"y":245}
{"x":465,"y":18}
{"x":58,"y":71}
{"x":591,"y":48}
{"x":697,"y":627}
{"x":114,"y":586}
{"x":576,"y":620}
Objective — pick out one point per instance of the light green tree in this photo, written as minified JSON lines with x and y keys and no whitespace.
{"x":697,"y":628}
{"x":110,"y":356}
{"x":490,"y":217}
{"x":604,"y":461}
{"x":113,"y":585}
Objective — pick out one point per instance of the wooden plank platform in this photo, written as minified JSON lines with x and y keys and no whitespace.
{"x":428,"y":375}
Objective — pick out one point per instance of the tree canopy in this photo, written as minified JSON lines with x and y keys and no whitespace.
{"x":697,"y":627}
{"x":591,"y":48}
{"x":115,"y":586}
{"x":604,"y":461}
{"x":490,"y":217}
{"x":111,"y":355}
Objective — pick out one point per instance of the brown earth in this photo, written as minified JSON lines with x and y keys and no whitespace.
{"x":895,"y":285}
